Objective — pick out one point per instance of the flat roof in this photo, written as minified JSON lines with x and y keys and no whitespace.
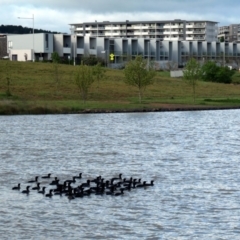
{"x":157,"y":21}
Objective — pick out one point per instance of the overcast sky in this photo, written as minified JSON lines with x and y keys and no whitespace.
{"x":56,"y":15}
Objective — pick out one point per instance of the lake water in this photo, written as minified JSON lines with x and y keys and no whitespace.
{"x":193,"y":158}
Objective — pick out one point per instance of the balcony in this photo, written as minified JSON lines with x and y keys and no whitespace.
{"x":144,"y":27}
{"x":199,"y":25}
{"x":159,"y":27}
{"x":199,"y":38}
{"x":130,"y":33}
{"x":67,"y":50}
{"x":93,"y":51}
{"x":198,"y":32}
{"x":80,"y":51}
{"x":176,"y":26}
{"x":195,"y":25}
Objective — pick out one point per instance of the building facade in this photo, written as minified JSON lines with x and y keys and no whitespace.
{"x":29,"y":47}
{"x":163,"y":30}
{"x":117,"y":51}
{"x":229,"y":33}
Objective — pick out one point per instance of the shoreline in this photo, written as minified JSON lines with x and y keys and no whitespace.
{"x":161,"y":109}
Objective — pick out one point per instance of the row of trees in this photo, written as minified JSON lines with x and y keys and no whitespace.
{"x":20,"y":30}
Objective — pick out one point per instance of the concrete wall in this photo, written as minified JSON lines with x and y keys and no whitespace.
{"x":58,"y":44}
{"x":22,"y":55}
{"x":41,"y":42}
{"x":177,"y":73}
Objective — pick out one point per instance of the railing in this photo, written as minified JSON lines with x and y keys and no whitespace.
{"x":198,"y":32}
{"x":198,"y":38}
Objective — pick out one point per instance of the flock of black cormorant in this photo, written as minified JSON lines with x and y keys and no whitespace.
{"x":99,"y":186}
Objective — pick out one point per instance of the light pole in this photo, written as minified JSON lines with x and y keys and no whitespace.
{"x":73,"y":44}
{"x":33,"y":57}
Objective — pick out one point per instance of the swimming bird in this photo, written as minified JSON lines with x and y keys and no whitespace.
{"x":87,"y":184}
{"x":111,"y":192}
{"x":60,"y":192}
{"x":47,"y":176}
{"x":27,"y":190}
{"x":17,"y":187}
{"x":78,"y":176}
{"x":32,"y":181}
{"x":120,"y":177}
{"x":71,"y":181}
{"x":97,"y":179}
{"x":43,"y":190}
{"x":140,"y":185}
{"x":128,"y":181}
{"x":37,"y":187}
{"x":54,"y":182}
{"x":149,"y":184}
{"x":119,"y":193}
{"x":50,"y":193}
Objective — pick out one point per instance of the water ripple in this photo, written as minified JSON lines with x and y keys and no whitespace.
{"x":193,"y":157}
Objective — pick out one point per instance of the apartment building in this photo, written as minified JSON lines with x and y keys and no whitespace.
{"x":117,"y":51}
{"x":163,"y":30}
{"x":229,"y":33}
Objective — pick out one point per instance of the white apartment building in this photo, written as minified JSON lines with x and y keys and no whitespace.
{"x":163,"y":30}
{"x":117,"y":51}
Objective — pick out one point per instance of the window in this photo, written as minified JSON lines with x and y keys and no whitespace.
{"x":46,"y":40}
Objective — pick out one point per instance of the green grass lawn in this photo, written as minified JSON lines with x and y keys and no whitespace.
{"x":34,"y":89}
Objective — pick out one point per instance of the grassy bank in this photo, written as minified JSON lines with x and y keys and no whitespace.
{"x":34,"y":89}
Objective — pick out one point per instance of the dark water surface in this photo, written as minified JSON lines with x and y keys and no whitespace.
{"x":193,"y":157}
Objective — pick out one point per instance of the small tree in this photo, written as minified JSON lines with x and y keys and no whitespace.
{"x":8,"y":79}
{"x":55,"y":62}
{"x":84,"y":79}
{"x":192,"y":74}
{"x":99,"y":72}
{"x":221,"y":39}
{"x":140,"y":74}
{"x":55,"y":57}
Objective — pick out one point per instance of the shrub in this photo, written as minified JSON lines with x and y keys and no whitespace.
{"x":213,"y":73}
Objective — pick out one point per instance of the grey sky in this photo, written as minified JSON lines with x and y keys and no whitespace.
{"x":56,"y":15}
